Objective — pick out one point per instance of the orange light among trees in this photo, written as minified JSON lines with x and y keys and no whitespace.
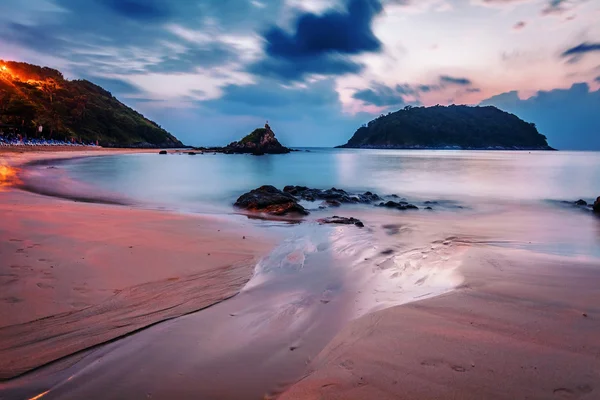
{"x":8,"y":176}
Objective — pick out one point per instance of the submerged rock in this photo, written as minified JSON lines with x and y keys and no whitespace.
{"x":330,"y":195}
{"x":162,"y":152}
{"x":402,"y":205}
{"x":333,"y":203}
{"x":341,"y":220}
{"x":596,"y":206}
{"x":271,"y":200}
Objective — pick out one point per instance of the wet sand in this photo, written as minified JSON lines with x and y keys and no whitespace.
{"x":522,"y":326}
{"x":74,"y":275}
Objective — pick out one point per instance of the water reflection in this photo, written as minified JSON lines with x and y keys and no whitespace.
{"x":219,"y":179}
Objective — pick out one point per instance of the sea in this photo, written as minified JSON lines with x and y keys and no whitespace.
{"x":207,"y":182}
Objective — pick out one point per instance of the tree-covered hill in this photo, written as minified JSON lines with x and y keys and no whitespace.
{"x":454,"y":126}
{"x":31,"y":96}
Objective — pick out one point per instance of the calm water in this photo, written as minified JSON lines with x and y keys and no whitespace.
{"x":217,"y":180}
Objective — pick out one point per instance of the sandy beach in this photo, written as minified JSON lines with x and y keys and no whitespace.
{"x":74,"y":275}
{"x":521,"y":326}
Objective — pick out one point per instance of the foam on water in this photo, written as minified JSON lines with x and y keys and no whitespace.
{"x":369,"y":267}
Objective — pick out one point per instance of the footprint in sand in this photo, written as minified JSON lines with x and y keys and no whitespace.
{"x":422,"y":280}
{"x":11,"y":300}
{"x":439,"y":362}
{"x":22,"y":267}
{"x":347,"y":364}
{"x":44,"y":286}
{"x":572,"y":393}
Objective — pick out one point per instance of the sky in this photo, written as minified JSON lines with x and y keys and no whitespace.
{"x":210,"y":71}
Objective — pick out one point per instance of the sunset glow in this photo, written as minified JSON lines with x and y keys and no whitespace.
{"x":8,"y":177}
{"x":235,"y":64}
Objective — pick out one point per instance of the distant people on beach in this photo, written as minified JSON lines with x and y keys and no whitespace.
{"x":18,"y":140}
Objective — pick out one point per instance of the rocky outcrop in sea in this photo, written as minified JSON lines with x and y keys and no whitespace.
{"x":270,"y":200}
{"x":260,"y":141}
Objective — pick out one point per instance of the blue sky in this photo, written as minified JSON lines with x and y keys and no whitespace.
{"x":210,"y":71}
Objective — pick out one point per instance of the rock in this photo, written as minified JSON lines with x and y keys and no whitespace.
{"x":402,"y":205}
{"x":368,"y":197}
{"x":271,"y":200}
{"x":581,"y":202}
{"x":390,"y":204}
{"x":332,"y":196}
{"x":162,"y":152}
{"x":596,"y":206}
{"x":294,"y":190}
{"x":309,"y":194}
{"x":333,"y":203}
{"x":191,"y":153}
{"x":261,"y":141}
{"x":428,"y":208}
{"x":341,"y":220}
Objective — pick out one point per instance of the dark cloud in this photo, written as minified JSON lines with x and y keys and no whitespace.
{"x":581,"y":49}
{"x":519,"y":25}
{"x":568,"y":117}
{"x":598,"y":79}
{"x":455,"y":81}
{"x":558,"y":7}
{"x":138,"y":9}
{"x":340,"y":32}
{"x":324,"y":65}
{"x":576,"y":53}
{"x":321,"y":43}
{"x":427,"y":88}
{"x":381,"y":95}
{"x":269,"y":95}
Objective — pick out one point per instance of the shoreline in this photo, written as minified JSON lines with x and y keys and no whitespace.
{"x":77,"y":275}
{"x":491,"y":148}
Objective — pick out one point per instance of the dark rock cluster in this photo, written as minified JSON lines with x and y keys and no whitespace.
{"x":333,"y":196}
{"x":270,"y":200}
{"x":400,"y":205}
{"x":341,"y":220}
